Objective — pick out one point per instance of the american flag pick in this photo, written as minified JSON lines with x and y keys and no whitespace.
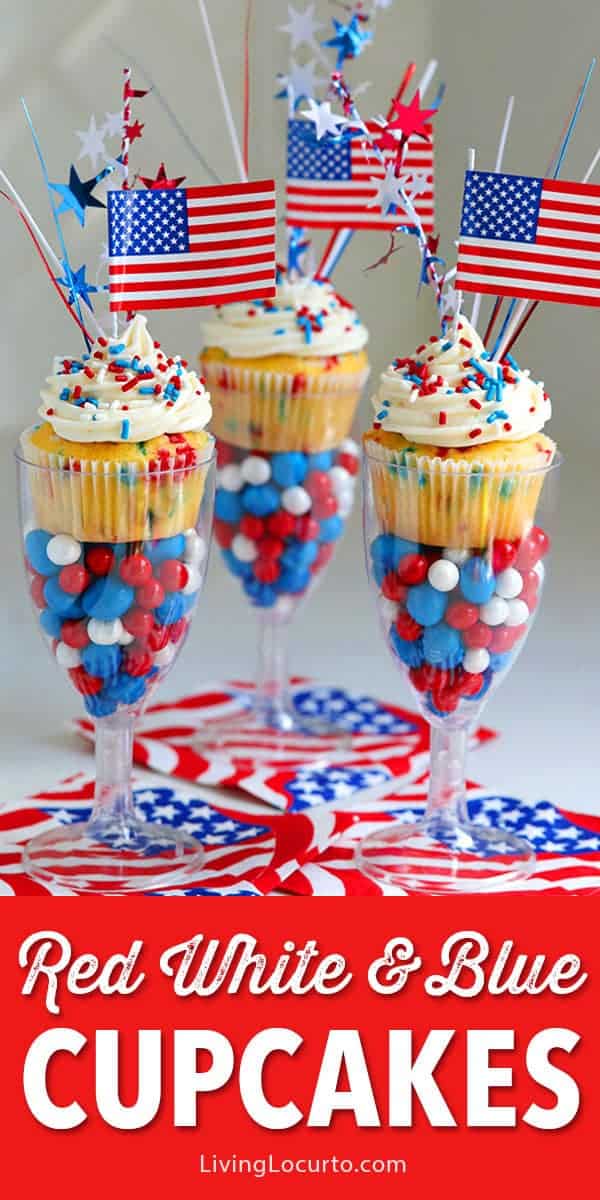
{"x":533,"y":238}
{"x":186,"y":247}
{"x":332,"y":183}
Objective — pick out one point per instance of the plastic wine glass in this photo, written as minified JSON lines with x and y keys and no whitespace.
{"x":115,"y":615}
{"x":455,"y":617}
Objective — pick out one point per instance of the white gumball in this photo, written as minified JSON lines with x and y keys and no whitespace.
{"x":388,"y":610}
{"x":163,"y":657}
{"x":456,"y":556}
{"x":348,"y":446}
{"x":244,"y":548}
{"x":105,"y":633}
{"x":193,"y":581}
{"x":443,"y":575}
{"x":195,"y":547}
{"x":509,"y":584}
{"x":345,"y":505}
{"x":126,"y":638}
{"x":476,"y":662}
{"x":67,"y":656}
{"x":540,"y":570}
{"x":256,"y":470}
{"x":63,"y":550}
{"x":296,"y":501}
{"x":494,"y":612}
{"x":340,"y":480}
{"x":518,"y":612}
{"x":230,"y":478}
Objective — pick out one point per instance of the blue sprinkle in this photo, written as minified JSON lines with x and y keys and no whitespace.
{"x":446,"y":345}
{"x":146,"y":391}
{"x":497,"y":415}
{"x":64,"y":395}
{"x":381,"y":415}
{"x":513,"y":362}
{"x":414,"y":379}
{"x":279,"y":332}
{"x":125,"y":429}
{"x":116,"y":349}
{"x":123,"y":362}
{"x":484,"y":354}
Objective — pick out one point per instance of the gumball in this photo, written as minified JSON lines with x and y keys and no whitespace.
{"x":471,"y":684}
{"x":75,"y":634}
{"x":138,"y":622}
{"x":410,"y":653}
{"x":51,"y":623}
{"x":503,"y":554}
{"x":426,"y":605}
{"x":299,"y":554}
{"x":86,"y":684}
{"x":36,"y":544}
{"x":267,"y":570}
{"x":392,"y":588}
{"x":476,"y":662}
{"x":62,"y":549}
{"x":260,"y":500}
{"x":177,"y":630}
{"x":494,"y":612}
{"x":230,"y":478}
{"x":461,"y":615}
{"x":294,"y":580}
{"x":456,"y":556}
{"x":509,"y":584}
{"x":477,"y":637}
{"x":137,"y":662}
{"x":165,"y":655}
{"x":174,"y":574}
{"x":533,"y":547}
{"x":530,"y":588}
{"x":67,"y":656}
{"x":100,"y":706}
{"x":420,"y":677}
{"x":151,"y":594}
{"x":194,"y":581}
{"x":321,"y":461}
{"x":241,"y":569}
{"x":36,"y":588}
{"x":263,"y":595}
{"x":443,"y":575}
{"x":171,"y":610}
{"x":228,"y":507}
{"x":252,"y":527}
{"x":503,"y":639}
{"x":225,"y":454}
{"x":102,"y":661}
{"x":104,"y":633}
{"x":307,"y":529}
{"x":244,"y":548}
{"x":318,"y":484}
{"x":324,"y":507}
{"x":126,"y":638}
{"x":408,"y":628}
{"x":349,"y":446}
{"x":345,"y":504}
{"x":442,"y":646}
{"x":486,"y":685}
{"x":107,"y":599}
{"x":498,"y":662}
{"x":331,"y":529}
{"x":477,"y":581}
{"x":270,"y":547}
{"x":387,"y":550}
{"x":255,"y":470}
{"x":341,"y":480}
{"x":158,"y":638}
{"x":281,"y":524}
{"x":518,"y":612}
{"x":224,"y":533}
{"x":99,"y":560}
{"x":125,"y":690}
{"x":296,"y":500}
{"x":350,"y":462}
{"x":195,"y":547}
{"x":325,"y":554}
{"x":412,"y":569}
{"x":445,"y":700}
{"x":289,"y":469}
{"x":135,"y":570}
{"x":74,"y":579}
{"x":61,"y":602}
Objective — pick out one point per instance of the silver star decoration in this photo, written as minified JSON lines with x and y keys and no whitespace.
{"x":301,"y":83}
{"x":388,"y":192}
{"x":92,"y":143}
{"x":382,"y":3}
{"x":325,"y":121}
{"x":113,"y":125}
{"x":416,"y":183}
{"x":451,"y":301}
{"x":302,"y":26}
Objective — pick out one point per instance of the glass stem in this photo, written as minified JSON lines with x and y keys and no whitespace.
{"x":113,"y":799}
{"x":272,"y":677}
{"x":447,"y":788}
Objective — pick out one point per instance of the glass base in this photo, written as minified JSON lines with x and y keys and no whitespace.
{"x":113,"y":857}
{"x":268,"y":732}
{"x":440,"y":858}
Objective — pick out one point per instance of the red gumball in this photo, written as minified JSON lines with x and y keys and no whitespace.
{"x":173,"y":575}
{"x":307,"y":529}
{"x":158,"y":637}
{"x":74,"y":579}
{"x":318,"y":483}
{"x":461,"y":615}
{"x":37,"y":586}
{"x":503,"y":554}
{"x":470,"y":684}
{"x":138,"y":622}
{"x":412,"y":569}
{"x":177,"y":630}
{"x":252,"y":527}
{"x":326,"y":553}
{"x":419,"y":677}
{"x":281,"y":524}
{"x":87,"y":685}
{"x":151,"y":594}
{"x":267,"y":570}
{"x":270,"y":547}
{"x":138,"y":661}
{"x":478,"y":637}
{"x":136,"y":570}
{"x":224,"y":533}
{"x":445,"y":699}
{"x":74,"y":634}
{"x":324,"y":506}
{"x":532,"y":548}
{"x":503,"y":639}
{"x":407,"y":627}
{"x":99,"y":560}
{"x":392,"y":589}
{"x":225,"y":454}
{"x":349,"y":462}
{"x":530,"y":589}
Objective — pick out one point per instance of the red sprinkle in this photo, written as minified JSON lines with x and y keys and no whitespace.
{"x":98,"y":354}
{"x":76,"y":392}
{"x":475,"y":403}
{"x":507,"y":426}
{"x":88,"y":371}
{"x":102,"y":341}
{"x":49,"y":412}
{"x":128,"y":386}
{"x":157,"y":390}
{"x":475,"y":433}
{"x":443,"y":418}
{"x":465,"y":342}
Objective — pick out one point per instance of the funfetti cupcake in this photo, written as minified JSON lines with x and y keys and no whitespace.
{"x":460,"y":444}
{"x":122,"y":428}
{"x":286,"y":374}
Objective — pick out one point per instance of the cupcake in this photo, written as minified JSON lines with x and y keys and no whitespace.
{"x":286,"y":374}
{"x":122,"y":429}
{"x":458,"y":440}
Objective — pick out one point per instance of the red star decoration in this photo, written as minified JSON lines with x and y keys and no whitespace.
{"x":134,"y":131}
{"x":161,"y":180}
{"x":411,"y":118}
{"x":433,"y":242}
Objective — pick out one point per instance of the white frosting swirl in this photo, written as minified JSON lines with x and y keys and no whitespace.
{"x":306,"y":317}
{"x":451,"y":393}
{"x":125,"y":390}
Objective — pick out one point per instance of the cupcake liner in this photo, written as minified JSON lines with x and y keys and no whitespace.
{"x":95,"y":500}
{"x":444,"y":502}
{"x":277,"y":411}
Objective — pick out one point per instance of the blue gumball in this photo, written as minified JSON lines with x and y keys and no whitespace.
{"x":165,"y":548}
{"x":108,"y":599}
{"x":320,"y":462}
{"x":101,"y":661}
{"x":288,"y":469}
{"x":242,"y":570}
{"x":171,"y":610}
{"x":36,"y":543}
{"x":261,"y":594}
{"x":51,"y":623}
{"x":386,"y":552}
{"x":299,"y":554}
{"x":260,"y":499}
{"x":65,"y":606}
{"x":498,"y":662}
{"x":100,"y":706}
{"x":410,"y":653}
{"x":228,"y":506}
{"x":126,"y":689}
{"x":188,"y":602}
{"x":426,"y":605}
{"x":443,"y":646}
{"x":294,"y":580}
{"x":331,"y":529}
{"x":477,"y":580}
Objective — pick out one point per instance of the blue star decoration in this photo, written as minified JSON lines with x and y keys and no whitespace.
{"x":77,"y":284}
{"x":77,"y":195}
{"x":349,"y":40}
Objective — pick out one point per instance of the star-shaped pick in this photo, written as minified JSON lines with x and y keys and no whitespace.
{"x":411,"y":119}
{"x":161,"y":180}
{"x":77,"y":285}
{"x":92,"y":143}
{"x":134,"y":131}
{"x":325,"y":121}
{"x":300,"y":84}
{"x":388,"y":193}
{"x":77,"y":195}
{"x":450,"y":302}
{"x":113,"y":125}
{"x":349,"y":40}
{"x":301,"y":27}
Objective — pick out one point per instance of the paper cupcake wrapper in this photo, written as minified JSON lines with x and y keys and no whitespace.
{"x":95,"y":500}
{"x":277,"y":411}
{"x":444,"y":502}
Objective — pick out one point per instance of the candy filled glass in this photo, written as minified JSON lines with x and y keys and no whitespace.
{"x":457,"y":561}
{"x":115,"y":559}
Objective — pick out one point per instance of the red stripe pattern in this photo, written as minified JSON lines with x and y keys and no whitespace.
{"x":186,"y":247}
{"x":533,"y":238}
